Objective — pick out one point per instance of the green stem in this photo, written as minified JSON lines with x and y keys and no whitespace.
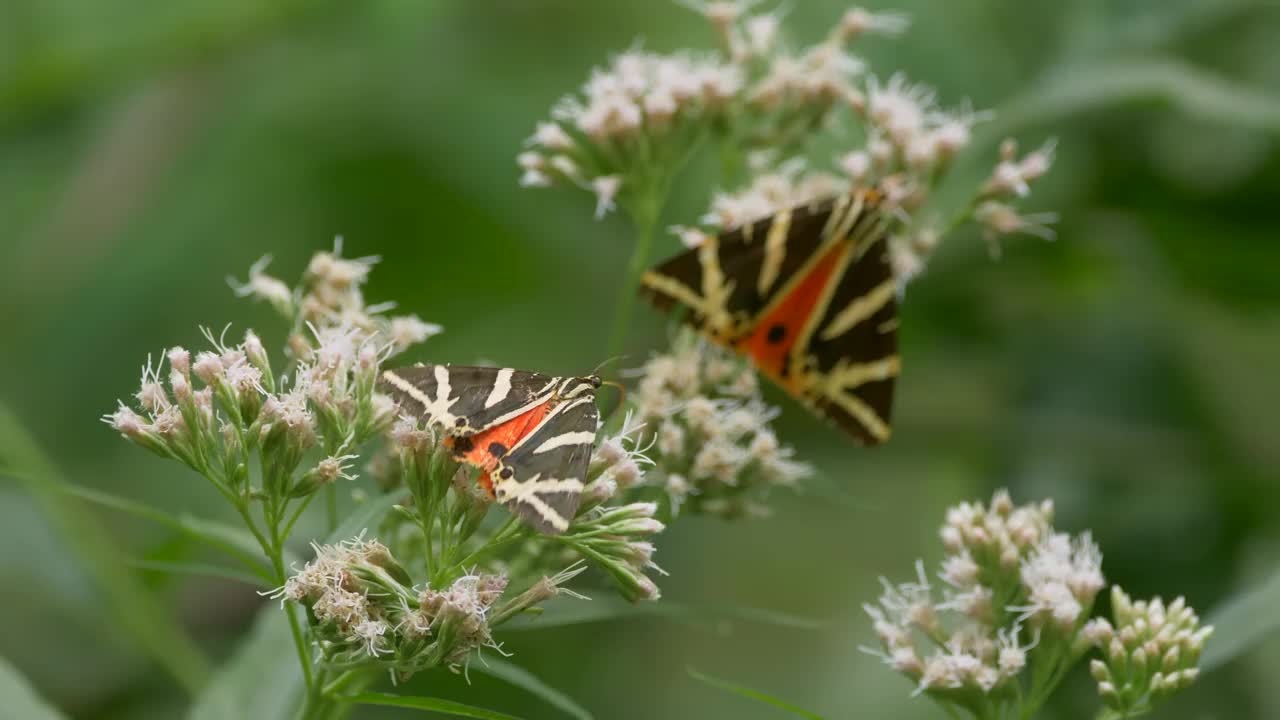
{"x":730,"y":160}
{"x":331,"y":506}
{"x":243,"y":509}
{"x":340,"y":682}
{"x":315,"y":706}
{"x":508,"y":532}
{"x":426,"y":520}
{"x":288,"y":526}
{"x":645,"y":214}
{"x":275,"y":551}
{"x":299,"y":643}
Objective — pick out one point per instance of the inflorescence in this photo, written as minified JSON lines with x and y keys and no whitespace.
{"x":765,"y":104}
{"x":1010,"y":616}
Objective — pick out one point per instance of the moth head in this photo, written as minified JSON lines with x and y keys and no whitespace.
{"x":579,"y":385}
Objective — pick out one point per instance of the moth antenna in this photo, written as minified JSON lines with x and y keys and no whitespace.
{"x":613,"y":359}
{"x":622,"y":395}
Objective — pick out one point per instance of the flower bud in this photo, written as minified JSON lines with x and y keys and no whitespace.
{"x":134,"y":427}
{"x":208,"y":368}
{"x":179,"y":360}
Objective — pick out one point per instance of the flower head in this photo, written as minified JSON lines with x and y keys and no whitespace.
{"x":1150,"y":654}
{"x":1014,"y":598}
{"x":265,"y":287}
{"x":708,"y":431}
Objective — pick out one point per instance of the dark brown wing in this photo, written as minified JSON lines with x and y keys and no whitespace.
{"x":727,"y":282}
{"x":463,"y":399}
{"x":844,"y":366}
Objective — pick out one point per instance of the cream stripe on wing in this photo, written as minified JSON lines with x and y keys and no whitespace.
{"x":775,"y":251}
{"x":549,"y":418}
{"x":436,"y":410}
{"x":837,"y":212}
{"x":846,"y":375}
{"x":442,"y":382}
{"x":406,"y":387}
{"x":501,"y":388}
{"x":850,"y":216}
{"x":863,"y":413}
{"x":715,"y":289}
{"x":511,"y":491}
{"x":676,"y":290}
{"x":563,"y":439}
{"x":859,"y":309}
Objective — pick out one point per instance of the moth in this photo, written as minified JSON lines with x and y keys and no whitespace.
{"x":531,"y":434}
{"x":809,"y":296}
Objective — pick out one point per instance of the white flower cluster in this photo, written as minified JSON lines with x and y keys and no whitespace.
{"x":1148,"y":655}
{"x":771,"y":190}
{"x":617,"y":465}
{"x":764,"y":103}
{"x":910,"y":140}
{"x":712,"y":443}
{"x":641,"y":111}
{"x":636,"y":121}
{"x":366,"y":609}
{"x":1014,"y":594}
{"x":466,"y":604}
{"x":1062,"y":576}
{"x":331,"y":297}
{"x":226,"y":403}
{"x":618,"y":540}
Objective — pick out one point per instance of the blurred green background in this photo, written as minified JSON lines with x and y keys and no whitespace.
{"x":1130,"y":370}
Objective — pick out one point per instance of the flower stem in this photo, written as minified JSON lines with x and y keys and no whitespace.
{"x":295,"y":629}
{"x":299,"y":643}
{"x":297,"y":513}
{"x":331,"y":506}
{"x":508,"y":532}
{"x":275,"y":551}
{"x":645,"y":215}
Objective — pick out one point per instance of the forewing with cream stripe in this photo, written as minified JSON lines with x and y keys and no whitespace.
{"x":463,"y":399}
{"x":808,"y":294}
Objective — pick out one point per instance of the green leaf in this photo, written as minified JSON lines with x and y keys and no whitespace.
{"x":525,"y":680}
{"x":445,"y":707}
{"x":235,"y":541}
{"x":201,"y":570}
{"x":141,"y":616}
{"x":18,"y":698}
{"x":1106,"y":82}
{"x":712,"y":618}
{"x":1242,"y":622}
{"x":754,"y":695}
{"x":261,"y":680}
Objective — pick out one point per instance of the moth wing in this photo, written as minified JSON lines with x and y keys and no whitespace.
{"x":548,"y":467}
{"x":850,"y":358}
{"x":855,"y":347}
{"x":466,"y":399}
{"x":732,"y":277}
